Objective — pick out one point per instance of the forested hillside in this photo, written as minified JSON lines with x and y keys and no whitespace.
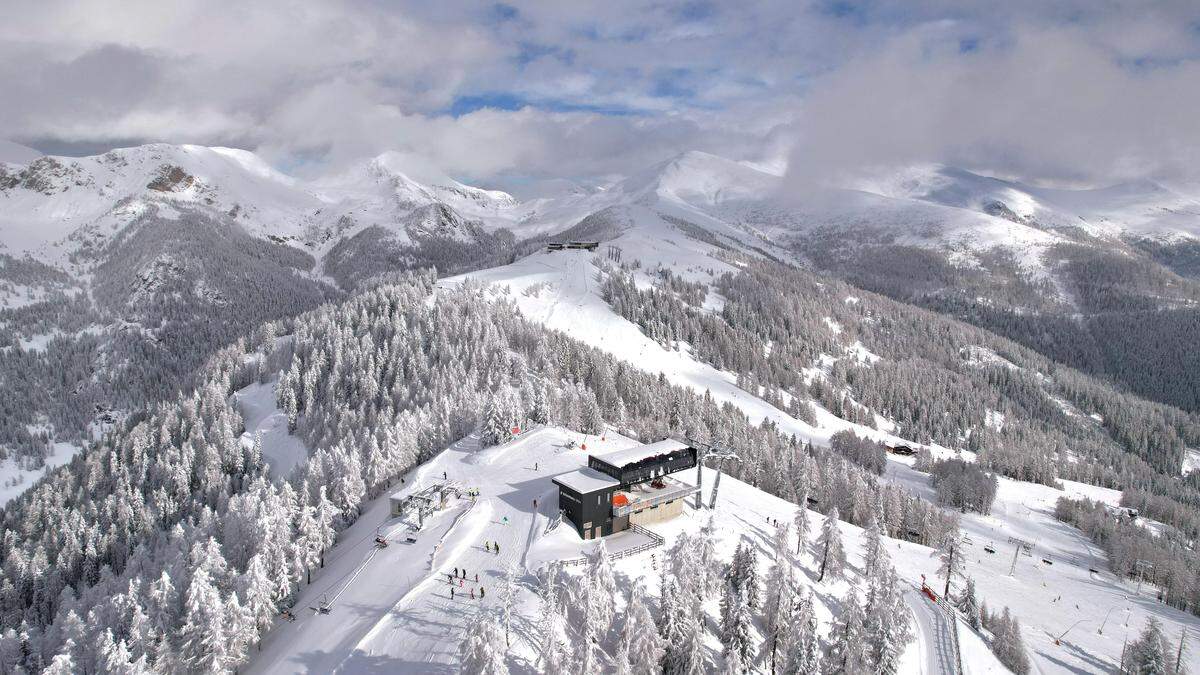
{"x":1111,"y":311}
{"x":938,"y":380}
{"x":168,"y":545}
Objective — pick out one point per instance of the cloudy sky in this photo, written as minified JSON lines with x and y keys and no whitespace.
{"x":1080,"y":90}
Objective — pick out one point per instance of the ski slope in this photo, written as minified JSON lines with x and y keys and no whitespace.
{"x":1062,"y":596}
{"x":561,"y":291}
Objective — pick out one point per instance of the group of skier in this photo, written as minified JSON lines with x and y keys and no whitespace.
{"x":460,"y":575}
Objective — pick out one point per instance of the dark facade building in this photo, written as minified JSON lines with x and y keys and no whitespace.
{"x":624,"y":487}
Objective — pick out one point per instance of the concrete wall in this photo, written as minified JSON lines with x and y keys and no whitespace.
{"x":663,"y":512}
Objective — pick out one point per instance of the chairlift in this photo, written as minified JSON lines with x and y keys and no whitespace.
{"x":1047,"y":561}
{"x":989,"y":548}
{"x":380,"y":542}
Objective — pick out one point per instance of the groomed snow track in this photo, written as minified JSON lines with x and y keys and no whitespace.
{"x":937,"y":633}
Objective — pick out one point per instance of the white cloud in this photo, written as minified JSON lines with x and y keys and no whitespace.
{"x":1048,"y":103}
{"x":1071,"y":89}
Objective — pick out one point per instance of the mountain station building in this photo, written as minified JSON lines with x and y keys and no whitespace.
{"x":626,"y":487}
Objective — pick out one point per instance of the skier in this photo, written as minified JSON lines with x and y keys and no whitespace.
{"x":460,"y":583}
{"x":481,"y":593}
{"x":535,"y":464}
{"x":444,"y":475}
{"x":451,"y":592}
{"x":504,"y":520}
{"x":472,"y":593}
{"x":455,"y":571}
{"x":535,"y":505}
{"x":487,"y":546}
{"x":477,"y":577}
{"x":497,"y":548}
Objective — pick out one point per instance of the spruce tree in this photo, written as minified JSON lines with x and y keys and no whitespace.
{"x":801,"y":521}
{"x":639,"y":638}
{"x":833,"y":556}
{"x":482,"y":651}
{"x":968,"y":604}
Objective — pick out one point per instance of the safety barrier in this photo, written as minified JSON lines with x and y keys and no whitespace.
{"x":656,"y":540}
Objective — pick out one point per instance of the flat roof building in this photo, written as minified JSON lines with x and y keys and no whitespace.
{"x":626,"y":487}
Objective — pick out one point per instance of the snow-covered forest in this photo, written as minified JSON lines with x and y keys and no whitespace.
{"x":170,"y":545}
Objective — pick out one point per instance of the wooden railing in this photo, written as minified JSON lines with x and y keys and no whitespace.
{"x":952,"y":614}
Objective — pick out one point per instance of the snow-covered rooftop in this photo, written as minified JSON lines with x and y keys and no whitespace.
{"x":623,"y":458}
{"x":585,"y":480}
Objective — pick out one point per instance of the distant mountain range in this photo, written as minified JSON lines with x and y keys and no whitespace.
{"x":121,"y":272}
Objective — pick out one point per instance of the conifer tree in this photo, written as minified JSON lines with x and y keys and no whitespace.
{"x":1008,"y":645}
{"x":968,"y":604}
{"x":833,"y":556}
{"x":256,"y":588}
{"x":203,"y":646}
{"x":601,"y":589}
{"x":801,"y":521}
{"x":482,"y":651}
{"x":949,"y":553}
{"x":640,"y":642}
{"x":554,"y":658}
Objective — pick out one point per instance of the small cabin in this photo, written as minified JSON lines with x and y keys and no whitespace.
{"x":900,"y":449}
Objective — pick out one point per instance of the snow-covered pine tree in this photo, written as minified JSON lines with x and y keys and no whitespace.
{"x":833,"y":555}
{"x":640,"y":644}
{"x":681,"y":633}
{"x":326,"y":516}
{"x":848,"y":646}
{"x":553,"y":656}
{"x":508,"y":598}
{"x":202,"y":636}
{"x":496,"y":425}
{"x":801,"y":521}
{"x":61,"y":664}
{"x":968,"y":604}
{"x":539,"y":412}
{"x":1007,"y":644}
{"x":310,"y":542}
{"x":588,"y":654}
{"x":736,"y":633}
{"x":886,"y":626}
{"x":778,"y":608}
{"x":1148,"y":655}
{"x":482,"y":651}
{"x":874,"y":554}
{"x":951,"y":563}
{"x":256,"y":589}
{"x":750,"y":587}
{"x":601,"y":589}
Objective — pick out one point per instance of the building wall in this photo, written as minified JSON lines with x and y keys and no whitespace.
{"x":657,"y":514}
{"x":590,"y":513}
{"x":647,"y":469}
